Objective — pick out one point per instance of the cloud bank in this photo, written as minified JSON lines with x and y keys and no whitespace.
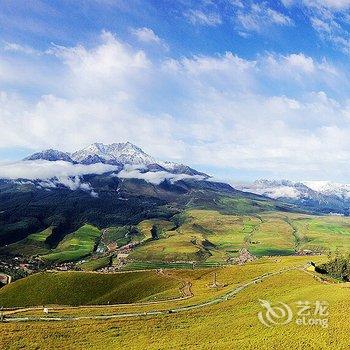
{"x":42,"y":169}
{"x":156,"y":178}
{"x":51,"y":174}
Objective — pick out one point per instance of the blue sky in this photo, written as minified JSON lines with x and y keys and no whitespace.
{"x":240,"y":89}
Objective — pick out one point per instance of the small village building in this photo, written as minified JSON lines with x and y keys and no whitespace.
{"x":122,"y":256}
{"x":5,"y":279}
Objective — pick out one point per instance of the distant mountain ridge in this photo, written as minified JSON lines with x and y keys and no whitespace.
{"x":118,"y":154}
{"x":324,"y":196}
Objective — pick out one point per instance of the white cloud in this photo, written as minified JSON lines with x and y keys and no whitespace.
{"x":42,"y":169}
{"x":259,"y":16}
{"x":110,"y":66}
{"x":288,"y":3}
{"x":272,"y":113}
{"x":329,"y":18}
{"x":72,"y":183}
{"x":53,"y":174}
{"x":237,"y":3}
{"x":297,"y":66}
{"x":67,"y":174}
{"x":274,"y":191}
{"x":203,"y":18}
{"x":14,"y":47}
{"x":155,"y":177}
{"x":331,"y":28}
{"x":332,"y":4}
{"x":301,"y":61}
{"x":147,"y":35}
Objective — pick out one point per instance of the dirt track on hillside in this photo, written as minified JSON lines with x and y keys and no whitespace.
{"x":186,"y":289}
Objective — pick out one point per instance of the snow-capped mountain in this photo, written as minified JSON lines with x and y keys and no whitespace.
{"x":119,"y":154}
{"x":289,"y":189}
{"x":115,"y":153}
{"x":51,"y":155}
{"x":328,"y":188}
{"x":325,"y":195}
{"x":277,"y":189}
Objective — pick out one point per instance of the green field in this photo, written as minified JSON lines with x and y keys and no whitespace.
{"x":320,"y":232}
{"x":84,"y":288}
{"x":75,"y":246}
{"x":34,"y":244}
{"x":122,"y":235}
{"x":206,"y":235}
{"x":199,"y":236}
{"x":95,"y":264}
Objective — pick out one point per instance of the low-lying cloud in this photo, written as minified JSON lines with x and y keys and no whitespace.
{"x":155,"y":178}
{"x":43,"y":169}
{"x":49,"y":175}
{"x":72,"y":183}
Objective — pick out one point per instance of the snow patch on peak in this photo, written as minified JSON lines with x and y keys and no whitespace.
{"x":50,"y":155}
{"x":298,"y":190}
{"x":117,"y":154}
{"x":122,"y":153}
{"x":330,"y":188}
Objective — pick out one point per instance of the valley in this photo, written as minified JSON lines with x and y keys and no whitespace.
{"x":174,"y":175}
{"x":138,"y":254}
{"x":201,"y":238}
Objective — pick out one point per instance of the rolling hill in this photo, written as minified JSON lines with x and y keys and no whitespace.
{"x":86,"y":288}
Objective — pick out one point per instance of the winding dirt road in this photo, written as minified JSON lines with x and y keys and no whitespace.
{"x":228,"y":295}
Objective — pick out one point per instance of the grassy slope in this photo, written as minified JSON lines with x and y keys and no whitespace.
{"x":207,"y":235}
{"x":319,"y":232}
{"x":122,"y":235}
{"x":95,"y":264}
{"x":146,"y":225}
{"x":232,"y":324}
{"x":76,"y":245}
{"x":32,"y":245}
{"x":76,"y":288}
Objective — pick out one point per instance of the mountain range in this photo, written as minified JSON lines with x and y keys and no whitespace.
{"x":117,"y":154}
{"x":119,"y":184}
{"x":131,"y":187}
{"x":321,"y":196}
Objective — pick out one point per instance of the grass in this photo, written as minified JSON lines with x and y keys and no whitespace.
{"x":208,"y":235}
{"x":175,"y":247}
{"x":41,"y":236}
{"x":117,"y":234}
{"x":75,"y":246}
{"x":146,"y":225}
{"x":274,"y":236}
{"x":228,"y":233}
{"x":84,"y":288}
{"x":316,"y":233}
{"x":122,"y":235}
{"x":205,"y":236}
{"x":140,"y":265}
{"x":244,"y":206}
{"x":209,"y":238}
{"x":95,"y":264}
{"x":34,"y":244}
{"x":232,"y":324}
